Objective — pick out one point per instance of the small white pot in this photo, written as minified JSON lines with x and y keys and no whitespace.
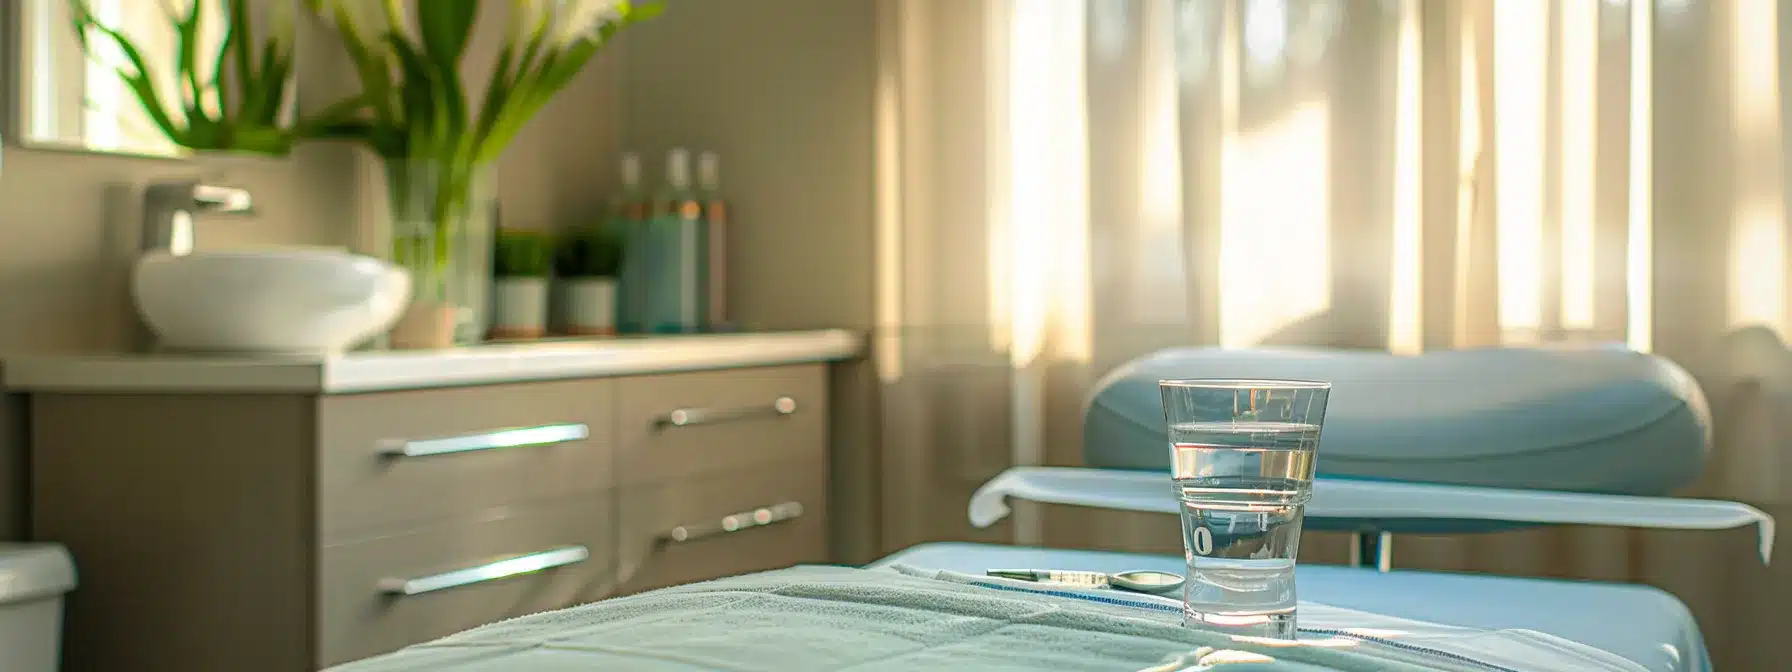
{"x":590,"y":306}
{"x":519,"y":308}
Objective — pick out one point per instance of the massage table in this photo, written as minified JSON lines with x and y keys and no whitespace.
{"x":1455,"y":442}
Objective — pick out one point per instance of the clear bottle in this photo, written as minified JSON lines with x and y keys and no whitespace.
{"x":627,"y":218}
{"x":715,"y":229}
{"x":678,"y":256}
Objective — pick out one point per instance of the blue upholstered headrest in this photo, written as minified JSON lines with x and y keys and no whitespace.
{"x":1590,"y":419}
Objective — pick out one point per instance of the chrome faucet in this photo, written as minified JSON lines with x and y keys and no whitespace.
{"x":169,"y":208}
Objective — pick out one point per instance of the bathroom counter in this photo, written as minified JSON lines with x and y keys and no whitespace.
{"x":389,"y":370}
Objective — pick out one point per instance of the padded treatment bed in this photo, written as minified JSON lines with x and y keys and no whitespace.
{"x":1640,"y":623}
{"x":1578,"y":419}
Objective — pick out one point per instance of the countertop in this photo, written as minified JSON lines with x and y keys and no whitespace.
{"x":385,"y":370}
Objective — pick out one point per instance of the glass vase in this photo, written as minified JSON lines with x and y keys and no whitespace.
{"x":442,"y":216}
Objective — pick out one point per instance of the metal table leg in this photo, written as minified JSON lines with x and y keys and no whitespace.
{"x":1373,"y":546}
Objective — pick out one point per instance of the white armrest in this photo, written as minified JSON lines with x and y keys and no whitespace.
{"x":1153,"y":492}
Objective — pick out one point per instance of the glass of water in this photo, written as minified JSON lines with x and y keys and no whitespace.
{"x":1243,"y":454}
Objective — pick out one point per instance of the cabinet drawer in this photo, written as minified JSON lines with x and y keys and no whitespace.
{"x":393,"y":460}
{"x":384,"y":594}
{"x":770,"y":517}
{"x":683,"y":425}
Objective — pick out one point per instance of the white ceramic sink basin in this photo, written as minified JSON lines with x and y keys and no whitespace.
{"x":280,"y":300}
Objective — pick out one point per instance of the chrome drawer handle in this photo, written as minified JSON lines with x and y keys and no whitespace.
{"x":491,"y":571}
{"x":686,"y":417}
{"x":745,"y":520}
{"x":510,"y":437}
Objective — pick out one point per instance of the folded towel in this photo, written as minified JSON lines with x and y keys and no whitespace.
{"x":835,"y":618}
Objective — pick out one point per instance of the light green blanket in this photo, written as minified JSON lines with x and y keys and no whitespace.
{"x":835,"y":618}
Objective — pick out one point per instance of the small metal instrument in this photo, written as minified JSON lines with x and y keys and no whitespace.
{"x":1138,"y":580}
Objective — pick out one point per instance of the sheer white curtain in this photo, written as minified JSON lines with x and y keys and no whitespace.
{"x":1066,"y":184}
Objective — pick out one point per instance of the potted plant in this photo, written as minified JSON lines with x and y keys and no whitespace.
{"x":231,"y":94}
{"x":586,"y":266}
{"x":521,"y":263}
{"x":438,"y":143}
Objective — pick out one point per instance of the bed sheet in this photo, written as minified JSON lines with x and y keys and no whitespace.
{"x":903,"y":618}
{"x":1640,"y":623}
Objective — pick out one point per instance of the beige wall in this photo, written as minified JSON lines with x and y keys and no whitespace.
{"x":785,"y":91}
{"x":69,"y":221}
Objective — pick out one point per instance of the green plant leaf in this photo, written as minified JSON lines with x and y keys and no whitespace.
{"x":588,"y":252}
{"x":146,"y":95}
{"x":445,"y":25}
{"x":237,"y":104}
{"x":262,"y":95}
{"x":261,"y":140}
{"x":532,"y":94}
{"x":80,"y":16}
{"x":497,"y":91}
{"x":522,"y":254}
{"x":359,"y":130}
{"x":371,"y":65}
{"x":418,"y":93}
{"x":451,"y":116}
{"x":384,"y":139}
{"x":415,"y":92}
{"x":187,"y":66}
{"x":245,"y":42}
{"x":221,"y":65}
{"x":644,"y":11}
{"x":532,"y":51}
{"x":340,"y":112}
{"x":139,"y":80}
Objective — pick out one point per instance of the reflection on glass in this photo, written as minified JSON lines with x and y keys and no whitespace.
{"x":70,"y":99}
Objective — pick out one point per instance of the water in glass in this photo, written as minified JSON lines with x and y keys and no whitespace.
{"x":1243,"y":486}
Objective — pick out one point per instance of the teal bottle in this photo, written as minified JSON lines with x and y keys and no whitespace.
{"x":678,"y":253}
{"x":715,"y":239}
{"x":626,"y":216}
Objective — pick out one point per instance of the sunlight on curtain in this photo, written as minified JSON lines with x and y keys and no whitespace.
{"x":901,"y":54}
{"x":1253,"y":182}
{"x":1161,"y":278}
{"x":1470,"y":155}
{"x":1265,"y":36}
{"x":1521,"y":79}
{"x":1406,"y":309}
{"x":1160,"y":165}
{"x":1275,"y":226}
{"x":1639,"y":267}
{"x":1275,"y":266}
{"x":1758,"y":242}
{"x":1547,"y":156}
{"x":1278,"y":198}
{"x":1045,"y":234}
{"x":1579,"y":144}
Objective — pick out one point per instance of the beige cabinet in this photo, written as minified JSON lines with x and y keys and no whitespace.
{"x":289,"y":532}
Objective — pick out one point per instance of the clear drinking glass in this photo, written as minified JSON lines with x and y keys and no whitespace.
{"x":1243,"y":454}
